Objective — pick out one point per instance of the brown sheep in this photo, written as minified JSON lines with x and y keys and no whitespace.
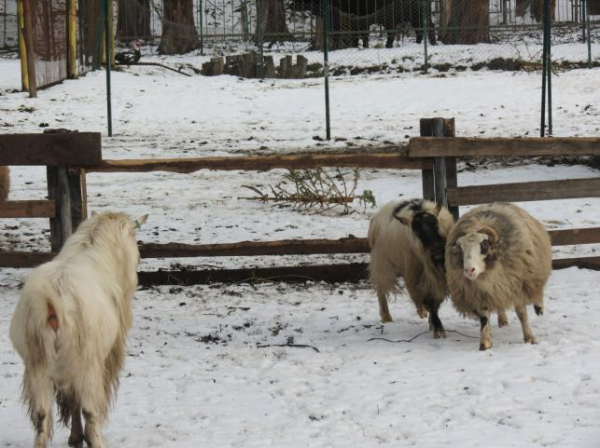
{"x":498,"y":257}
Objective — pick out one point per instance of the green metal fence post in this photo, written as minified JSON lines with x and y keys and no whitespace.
{"x":548,"y":21}
{"x":201,"y":26}
{"x":544,"y":77}
{"x":326,"y":6}
{"x":260,"y":31}
{"x":589,"y":32}
{"x":108,"y":63}
{"x":425,"y":30}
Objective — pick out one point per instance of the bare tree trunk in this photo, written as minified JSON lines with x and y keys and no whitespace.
{"x":469,"y":22}
{"x":133,"y":20}
{"x":179,"y":33}
{"x":445,"y":10}
{"x":272,"y":16}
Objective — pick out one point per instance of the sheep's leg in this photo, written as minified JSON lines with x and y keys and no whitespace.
{"x":502,"y":319}
{"x":527,"y":333}
{"x":76,"y":438}
{"x":485,"y":339}
{"x":434,"y":319}
{"x":92,"y":434}
{"x":390,"y":39}
{"x":40,"y":391}
{"x":384,"y":310}
{"x":94,"y":405}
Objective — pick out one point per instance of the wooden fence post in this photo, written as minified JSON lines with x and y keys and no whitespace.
{"x":425,"y":126}
{"x":61,"y":226}
{"x":78,"y":195}
{"x":451,"y":176}
{"x":443,"y":175}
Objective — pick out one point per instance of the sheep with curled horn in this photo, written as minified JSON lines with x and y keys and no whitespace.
{"x":4,"y":183}
{"x":407,"y":238}
{"x":70,"y":325}
{"x":498,"y":257}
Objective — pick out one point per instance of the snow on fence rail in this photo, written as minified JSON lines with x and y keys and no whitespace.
{"x":69,"y":156}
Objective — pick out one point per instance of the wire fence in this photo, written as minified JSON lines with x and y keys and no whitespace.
{"x":381,"y":34}
{"x":8,"y":25}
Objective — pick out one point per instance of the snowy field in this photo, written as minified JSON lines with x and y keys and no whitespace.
{"x":205,"y":367}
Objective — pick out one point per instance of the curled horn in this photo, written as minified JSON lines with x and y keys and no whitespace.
{"x":491,"y":233}
{"x":438,"y":208}
{"x":403,"y":221}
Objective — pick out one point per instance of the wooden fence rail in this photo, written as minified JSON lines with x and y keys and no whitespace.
{"x":28,"y":209}
{"x":525,"y":191}
{"x":70,"y":156}
{"x":500,"y":147}
{"x":396,"y":160}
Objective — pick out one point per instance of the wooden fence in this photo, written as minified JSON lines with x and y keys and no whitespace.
{"x":69,"y":156}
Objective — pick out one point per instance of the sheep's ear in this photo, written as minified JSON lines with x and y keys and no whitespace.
{"x":491,"y":233}
{"x":403,"y":221}
{"x":141,"y":220}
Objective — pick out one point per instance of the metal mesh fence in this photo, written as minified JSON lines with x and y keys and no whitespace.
{"x":381,"y":35}
{"x":49,"y":39}
{"x":8,"y":25}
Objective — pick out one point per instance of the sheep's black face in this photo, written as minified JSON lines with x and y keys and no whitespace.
{"x":425,"y":226}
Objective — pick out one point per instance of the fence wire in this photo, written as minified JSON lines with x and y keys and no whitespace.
{"x":381,"y":35}
{"x":8,"y":25}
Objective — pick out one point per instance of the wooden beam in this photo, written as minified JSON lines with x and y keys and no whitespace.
{"x":569,"y":237}
{"x":262,"y":163}
{"x":27,"y":209}
{"x":582,"y":263}
{"x":340,"y":273}
{"x":255,"y":248}
{"x":486,"y":147}
{"x":59,"y":149}
{"x":329,"y":273}
{"x":525,"y":191}
{"x":24,"y":259}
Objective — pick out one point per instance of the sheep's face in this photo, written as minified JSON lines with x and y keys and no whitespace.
{"x":426,"y":228}
{"x":475,"y":248}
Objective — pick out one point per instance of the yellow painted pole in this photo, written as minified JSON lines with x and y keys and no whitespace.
{"x":72,"y":24}
{"x":22,"y":47}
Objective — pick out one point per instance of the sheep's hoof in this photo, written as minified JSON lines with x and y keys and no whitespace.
{"x":76,"y":439}
{"x":502,"y":321}
{"x":386,"y":319}
{"x":437,"y":334}
{"x":538,"y":310}
{"x":485,"y":345}
{"x":423,"y":313}
{"x":530,"y":339}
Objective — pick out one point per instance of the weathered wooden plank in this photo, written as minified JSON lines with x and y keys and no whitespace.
{"x":486,"y":147}
{"x":61,"y":225}
{"x":23,"y":259}
{"x":582,"y":263}
{"x":566,"y":237}
{"x":27,"y":209}
{"x":255,"y":248}
{"x":263,"y":163}
{"x":525,"y":191}
{"x":77,"y":148}
{"x":341,"y":273}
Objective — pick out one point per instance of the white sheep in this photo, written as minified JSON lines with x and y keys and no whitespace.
{"x":498,"y":257}
{"x":407,"y":238}
{"x":4,"y":182}
{"x":70,"y":324}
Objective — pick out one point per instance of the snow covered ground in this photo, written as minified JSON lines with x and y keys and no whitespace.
{"x":197,"y":374}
